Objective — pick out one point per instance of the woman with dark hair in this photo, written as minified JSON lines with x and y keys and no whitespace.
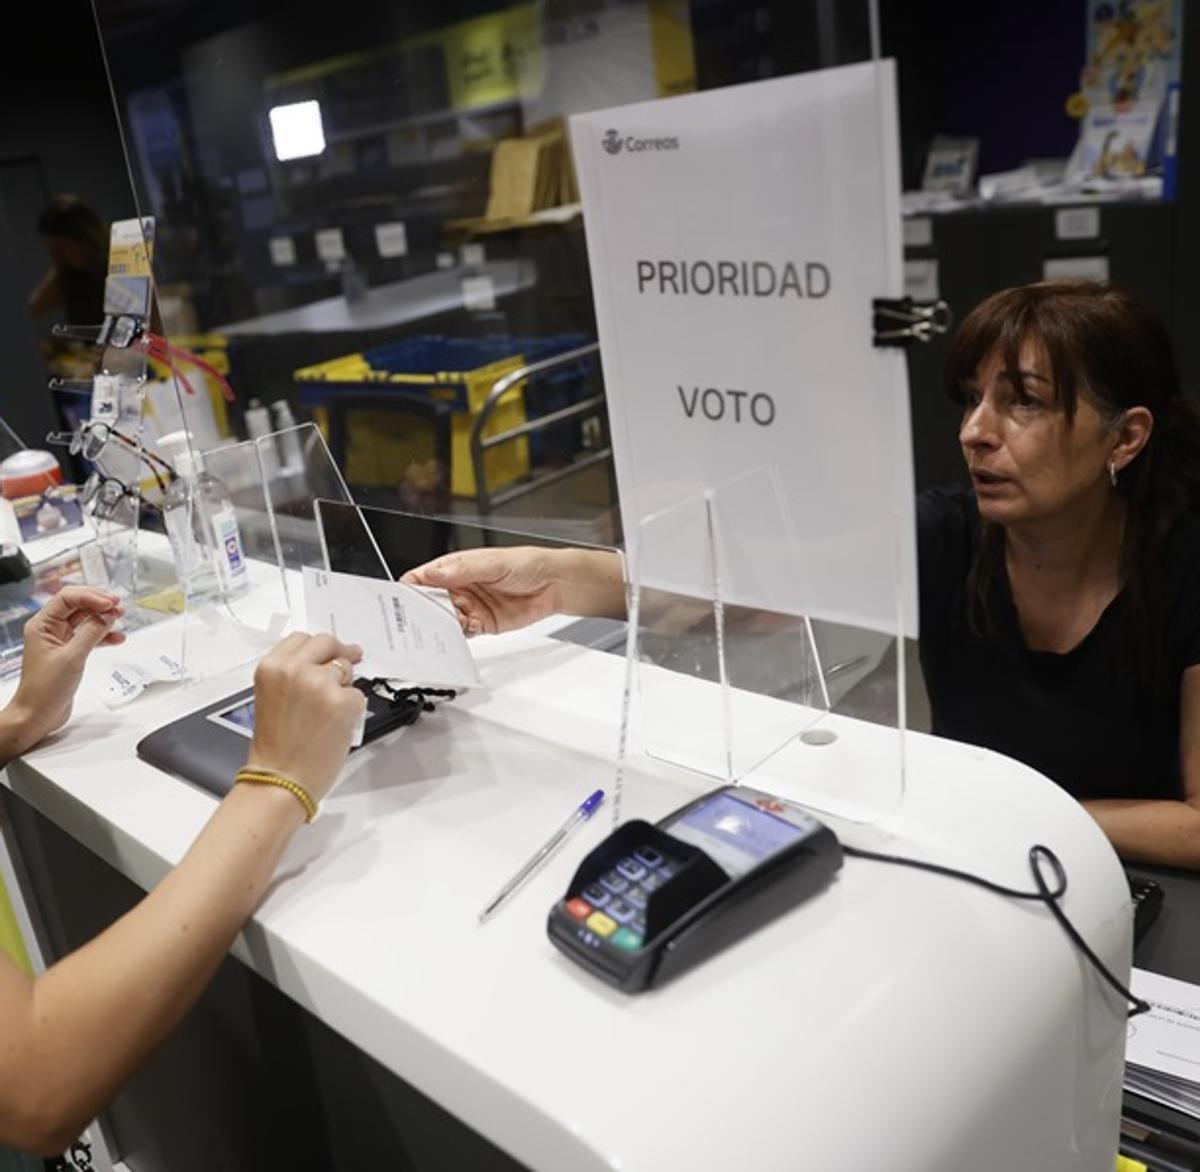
{"x":77,"y":241}
{"x":1060,"y":599}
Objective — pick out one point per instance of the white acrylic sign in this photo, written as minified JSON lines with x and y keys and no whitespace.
{"x":736,"y":239}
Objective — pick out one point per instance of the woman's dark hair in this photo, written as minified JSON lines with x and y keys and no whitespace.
{"x":1102,"y":342}
{"x":70,"y":217}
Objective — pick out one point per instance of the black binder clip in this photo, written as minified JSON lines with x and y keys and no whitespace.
{"x":900,"y":321}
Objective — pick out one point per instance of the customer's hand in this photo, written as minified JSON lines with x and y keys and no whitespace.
{"x":305,"y":710}
{"x":58,"y":640}
{"x":496,"y":590}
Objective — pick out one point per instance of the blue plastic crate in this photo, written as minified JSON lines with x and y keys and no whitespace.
{"x":449,"y":371}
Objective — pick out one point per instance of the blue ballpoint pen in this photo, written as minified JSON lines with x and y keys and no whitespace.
{"x":582,"y":814}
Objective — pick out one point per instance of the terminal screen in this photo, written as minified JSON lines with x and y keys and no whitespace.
{"x":239,"y":718}
{"x":734,"y":834}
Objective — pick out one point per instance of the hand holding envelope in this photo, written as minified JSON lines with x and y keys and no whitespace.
{"x":406,"y":632}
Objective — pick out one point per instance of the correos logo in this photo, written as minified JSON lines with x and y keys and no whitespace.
{"x":613,"y":143}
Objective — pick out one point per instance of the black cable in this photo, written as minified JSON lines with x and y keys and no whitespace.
{"x":1037,"y":855}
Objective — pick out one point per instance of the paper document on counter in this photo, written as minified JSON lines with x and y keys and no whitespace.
{"x":406,"y":632}
{"x":1162,"y":1054}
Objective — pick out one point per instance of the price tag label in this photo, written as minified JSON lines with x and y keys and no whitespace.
{"x":478,"y":293}
{"x":331,"y":244}
{"x":283,"y":251}
{"x":391,"y":240}
{"x":106,"y":397}
{"x":1077,"y":223}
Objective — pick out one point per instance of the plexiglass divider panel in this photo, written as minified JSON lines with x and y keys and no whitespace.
{"x":504,"y":582}
{"x":756,"y":693}
{"x":377,"y":278}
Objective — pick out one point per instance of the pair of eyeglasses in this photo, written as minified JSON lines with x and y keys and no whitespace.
{"x":119,"y":330}
{"x":123,"y":331}
{"x":90,"y":439}
{"x":102,"y":495}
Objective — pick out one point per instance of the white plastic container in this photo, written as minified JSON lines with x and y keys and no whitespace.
{"x":290,"y":452}
{"x":258,"y":428}
{"x":202,"y":525}
{"x":258,"y":420}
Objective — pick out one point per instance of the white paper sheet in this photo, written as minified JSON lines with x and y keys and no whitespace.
{"x":406,"y":633}
{"x":1167,"y":1039}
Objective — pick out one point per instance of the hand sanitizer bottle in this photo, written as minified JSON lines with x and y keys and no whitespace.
{"x":202,"y":525}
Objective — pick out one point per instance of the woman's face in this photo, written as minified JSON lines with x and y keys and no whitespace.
{"x":1027,"y":461}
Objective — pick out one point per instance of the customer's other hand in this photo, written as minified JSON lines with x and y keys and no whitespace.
{"x":496,"y":590}
{"x":58,"y":640}
{"x":305,"y":710}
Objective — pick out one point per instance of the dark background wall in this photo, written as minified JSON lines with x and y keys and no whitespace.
{"x":58,"y":134}
{"x":998,"y":72}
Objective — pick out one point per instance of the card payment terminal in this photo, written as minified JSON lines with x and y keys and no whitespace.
{"x":653,"y":900}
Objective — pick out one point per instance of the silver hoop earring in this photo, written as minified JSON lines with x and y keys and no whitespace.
{"x":1112,"y":473}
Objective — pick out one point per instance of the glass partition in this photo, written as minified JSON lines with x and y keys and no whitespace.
{"x":375,"y":223}
{"x":370,"y":290}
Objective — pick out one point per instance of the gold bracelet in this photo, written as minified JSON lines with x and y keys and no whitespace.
{"x":270,"y":777}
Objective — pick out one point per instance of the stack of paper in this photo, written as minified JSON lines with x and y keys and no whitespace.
{"x":1162,"y":1055}
{"x":531,"y":173}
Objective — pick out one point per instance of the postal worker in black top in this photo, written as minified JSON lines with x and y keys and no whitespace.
{"x":1060,"y":600}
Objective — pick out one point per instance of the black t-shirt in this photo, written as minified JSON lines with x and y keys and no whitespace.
{"x":1090,"y":719}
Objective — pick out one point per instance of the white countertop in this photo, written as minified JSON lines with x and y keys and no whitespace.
{"x":897,"y":1021}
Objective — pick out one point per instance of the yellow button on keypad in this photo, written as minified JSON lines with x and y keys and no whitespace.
{"x":601,"y":924}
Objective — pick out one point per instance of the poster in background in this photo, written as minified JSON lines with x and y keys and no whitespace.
{"x":130,"y":253}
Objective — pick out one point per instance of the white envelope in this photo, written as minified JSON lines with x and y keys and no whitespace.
{"x":406,"y":632}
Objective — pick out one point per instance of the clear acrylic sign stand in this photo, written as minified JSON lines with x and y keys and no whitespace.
{"x":758,"y":692}
{"x":273,"y":483}
{"x":298,"y":474}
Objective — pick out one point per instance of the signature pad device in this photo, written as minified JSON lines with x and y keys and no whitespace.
{"x":655,"y":899}
{"x":208,"y":747}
